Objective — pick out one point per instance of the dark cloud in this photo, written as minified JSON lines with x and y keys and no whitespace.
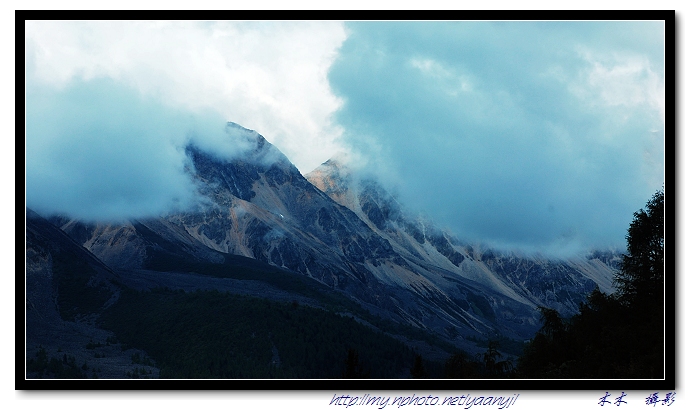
{"x":541,"y":135}
{"x":538,"y":136}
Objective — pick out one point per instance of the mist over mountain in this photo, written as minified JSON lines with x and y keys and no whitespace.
{"x":341,"y":232}
{"x":418,"y":238}
{"x":488,"y":168}
{"x":536,"y":135}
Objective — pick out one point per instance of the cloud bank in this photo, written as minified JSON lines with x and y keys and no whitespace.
{"x":542,"y":136}
{"x":111,"y":104}
{"x":100,"y":151}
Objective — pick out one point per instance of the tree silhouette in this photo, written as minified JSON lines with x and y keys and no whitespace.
{"x":489,"y":357}
{"x":418,"y":371}
{"x":641,"y":277}
{"x":553,"y":325}
{"x":612,"y":336}
{"x":460,"y":366}
{"x":353,"y":368}
{"x":492,"y":365}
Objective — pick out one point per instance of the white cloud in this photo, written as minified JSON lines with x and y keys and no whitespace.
{"x":621,"y":80}
{"x":627,"y":90}
{"x":430,"y":66}
{"x":267,"y":76}
{"x":453,"y":83}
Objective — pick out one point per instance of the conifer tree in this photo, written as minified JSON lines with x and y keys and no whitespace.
{"x":641,"y":277}
{"x":418,"y":371}
{"x":613,"y":336}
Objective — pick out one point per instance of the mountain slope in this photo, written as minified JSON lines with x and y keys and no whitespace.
{"x":67,"y":288}
{"x":533,"y":280}
{"x":353,"y":238}
{"x":75,"y":303}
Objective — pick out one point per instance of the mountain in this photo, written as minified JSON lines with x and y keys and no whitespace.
{"x":85,"y":320}
{"x":332,"y":239}
{"x":55,"y":261}
{"x":67,"y":288}
{"x":530,"y":279}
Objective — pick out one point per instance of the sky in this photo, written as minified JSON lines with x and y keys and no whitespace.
{"x":536,"y":136}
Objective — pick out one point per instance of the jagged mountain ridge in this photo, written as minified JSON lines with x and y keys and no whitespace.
{"x":260,"y":206}
{"x":539,"y":281}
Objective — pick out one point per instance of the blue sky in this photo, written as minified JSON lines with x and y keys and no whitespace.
{"x":541,"y":136}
